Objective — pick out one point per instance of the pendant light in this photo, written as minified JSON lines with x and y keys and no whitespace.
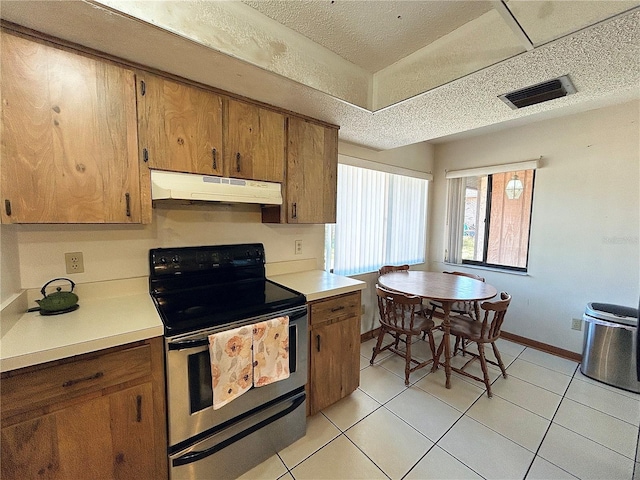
{"x":514,"y":188}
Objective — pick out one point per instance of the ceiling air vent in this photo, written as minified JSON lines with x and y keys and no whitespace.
{"x":542,"y":92}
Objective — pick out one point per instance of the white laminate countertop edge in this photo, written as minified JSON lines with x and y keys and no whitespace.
{"x":101,"y":322}
{"x":318,"y":284}
{"x":115,"y":313}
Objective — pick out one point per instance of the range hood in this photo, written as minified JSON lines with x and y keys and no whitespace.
{"x":189,"y":186}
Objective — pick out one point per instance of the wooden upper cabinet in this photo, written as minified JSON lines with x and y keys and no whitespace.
{"x":180,"y":126}
{"x":312,"y":165}
{"x":255,"y":144}
{"x":69,"y":137}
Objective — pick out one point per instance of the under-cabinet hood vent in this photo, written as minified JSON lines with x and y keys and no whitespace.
{"x":541,"y":92}
{"x":188,"y":186}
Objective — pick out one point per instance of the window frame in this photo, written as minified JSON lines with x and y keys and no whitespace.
{"x":487,"y":231}
{"x":455,"y":205}
{"x":390,"y":171}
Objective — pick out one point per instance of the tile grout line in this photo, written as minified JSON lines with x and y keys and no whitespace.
{"x":536,"y":454}
{"x":551,"y":422}
{"x":440,"y":438}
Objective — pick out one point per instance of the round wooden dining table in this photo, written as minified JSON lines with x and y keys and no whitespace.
{"x":443,"y":287}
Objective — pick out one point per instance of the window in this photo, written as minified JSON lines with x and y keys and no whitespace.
{"x":380,"y":220}
{"x":489,"y":216}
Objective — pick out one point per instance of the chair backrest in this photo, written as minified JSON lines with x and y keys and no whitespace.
{"x":397,"y":310}
{"x":464,"y":274}
{"x":462,"y":306}
{"x":392,"y":268}
{"x":494,"y":313}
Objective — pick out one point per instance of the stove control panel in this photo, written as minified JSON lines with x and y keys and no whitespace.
{"x":175,"y":261}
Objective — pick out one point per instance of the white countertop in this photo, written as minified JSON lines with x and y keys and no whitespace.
{"x":115,"y":313}
{"x":110,"y":314}
{"x":318,"y":284}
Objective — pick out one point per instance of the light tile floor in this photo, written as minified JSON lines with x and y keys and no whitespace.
{"x":545,"y":421}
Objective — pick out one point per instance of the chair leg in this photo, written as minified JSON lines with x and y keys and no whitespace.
{"x":497,"y":355}
{"x":485,"y":371}
{"x":397,"y":336}
{"x":436,"y":360}
{"x":432,"y":344}
{"x":376,"y":349}
{"x":456,"y":346}
{"x":407,"y":367}
{"x":430,"y":317}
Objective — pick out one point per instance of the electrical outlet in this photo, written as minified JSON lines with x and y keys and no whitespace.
{"x":74,"y":262}
{"x":362,"y":309}
{"x":298,"y":250}
{"x":576,"y":324}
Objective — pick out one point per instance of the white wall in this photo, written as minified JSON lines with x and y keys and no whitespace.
{"x":121,"y":251}
{"x":419,"y":157}
{"x":9,"y":263}
{"x":585,"y":223}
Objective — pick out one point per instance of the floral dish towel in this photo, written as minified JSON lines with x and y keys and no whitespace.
{"x":231,"y":364}
{"x":270,"y":351}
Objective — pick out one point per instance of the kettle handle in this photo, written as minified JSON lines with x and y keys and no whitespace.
{"x":43,"y":291}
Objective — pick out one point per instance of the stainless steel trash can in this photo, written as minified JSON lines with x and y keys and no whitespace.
{"x":610,"y":343}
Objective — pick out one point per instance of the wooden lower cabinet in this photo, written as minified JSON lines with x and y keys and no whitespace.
{"x":98,"y":415}
{"x":334,"y":350}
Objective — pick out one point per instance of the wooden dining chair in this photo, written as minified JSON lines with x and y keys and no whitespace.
{"x":461,"y":308}
{"x":392,"y":268}
{"x":398,"y":317}
{"x":481,"y":332}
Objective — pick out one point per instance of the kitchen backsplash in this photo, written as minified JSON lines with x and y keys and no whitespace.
{"x":121,"y":251}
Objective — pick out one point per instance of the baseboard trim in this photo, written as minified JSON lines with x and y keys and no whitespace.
{"x":527,"y":342}
{"x":366,"y":336}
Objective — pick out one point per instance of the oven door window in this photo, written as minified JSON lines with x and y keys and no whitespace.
{"x":200,"y":392}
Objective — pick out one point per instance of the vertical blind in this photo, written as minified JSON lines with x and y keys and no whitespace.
{"x":381,"y":220}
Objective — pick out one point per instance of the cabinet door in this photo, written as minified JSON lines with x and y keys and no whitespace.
{"x":180,"y":126}
{"x":335,"y":362}
{"x":255,"y":143}
{"x":312,"y":164}
{"x":106,"y":437}
{"x":69,"y":137}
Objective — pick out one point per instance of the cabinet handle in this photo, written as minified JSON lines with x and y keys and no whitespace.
{"x":294,"y":210}
{"x":127,"y":200}
{"x":70,"y":383}
{"x":337,"y":309}
{"x":143,"y":88}
{"x":238,"y":161}
{"x":145,"y":155}
{"x":318,"y":342}
{"x":139,"y":408}
{"x":7,"y":207}
{"x":214,"y":154}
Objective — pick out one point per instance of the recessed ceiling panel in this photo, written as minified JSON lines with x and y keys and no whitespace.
{"x":544,"y":21}
{"x":372,"y":34}
{"x":480,"y":43}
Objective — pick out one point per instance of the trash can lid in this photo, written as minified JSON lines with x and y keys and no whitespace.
{"x":613,"y":313}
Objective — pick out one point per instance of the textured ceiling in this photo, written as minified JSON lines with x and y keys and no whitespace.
{"x":231,"y":46}
{"x":371,"y":34}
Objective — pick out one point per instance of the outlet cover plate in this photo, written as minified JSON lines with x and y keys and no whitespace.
{"x":576,"y":324}
{"x":74,"y":262}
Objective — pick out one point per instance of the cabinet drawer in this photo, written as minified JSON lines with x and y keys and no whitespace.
{"x":335,"y":308}
{"x":39,"y":388}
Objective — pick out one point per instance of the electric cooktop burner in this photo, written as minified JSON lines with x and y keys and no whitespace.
{"x":201,"y":287}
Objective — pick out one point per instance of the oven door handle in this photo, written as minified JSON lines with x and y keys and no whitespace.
{"x":184,"y":344}
{"x":192,"y":457}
